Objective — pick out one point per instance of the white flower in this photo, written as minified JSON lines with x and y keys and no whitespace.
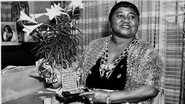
{"x":24,"y":16}
{"x":76,"y":3}
{"x":57,"y":7}
{"x":55,"y":10}
{"x":35,"y":16}
{"x":28,"y":29}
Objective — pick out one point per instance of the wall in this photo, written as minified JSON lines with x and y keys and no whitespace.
{"x":39,"y":7}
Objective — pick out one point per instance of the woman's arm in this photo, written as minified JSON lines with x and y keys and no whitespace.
{"x":140,"y":94}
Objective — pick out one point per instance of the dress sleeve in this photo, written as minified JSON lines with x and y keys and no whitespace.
{"x":151,"y":68}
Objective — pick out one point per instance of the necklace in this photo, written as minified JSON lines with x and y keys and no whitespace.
{"x":105,"y":69}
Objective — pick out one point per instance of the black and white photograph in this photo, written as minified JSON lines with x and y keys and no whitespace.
{"x":92,"y":51}
{"x":9,"y":32}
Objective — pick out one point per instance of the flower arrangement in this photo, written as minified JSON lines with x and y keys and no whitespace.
{"x":57,"y":41}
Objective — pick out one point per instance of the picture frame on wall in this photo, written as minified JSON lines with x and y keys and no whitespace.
{"x":9,"y":33}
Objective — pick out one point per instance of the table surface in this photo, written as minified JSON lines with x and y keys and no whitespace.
{"x":34,"y":98}
{"x":29,"y":99}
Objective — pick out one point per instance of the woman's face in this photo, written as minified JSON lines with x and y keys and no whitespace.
{"x":6,"y":29}
{"x":124,"y":22}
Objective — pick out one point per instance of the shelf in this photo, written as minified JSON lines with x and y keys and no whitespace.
{"x":9,"y":43}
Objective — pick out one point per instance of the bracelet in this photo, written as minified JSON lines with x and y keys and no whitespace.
{"x":108,"y":98}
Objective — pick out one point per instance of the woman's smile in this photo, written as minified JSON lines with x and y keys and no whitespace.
{"x":125,"y":26}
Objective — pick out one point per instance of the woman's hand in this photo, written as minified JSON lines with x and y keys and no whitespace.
{"x":96,"y":95}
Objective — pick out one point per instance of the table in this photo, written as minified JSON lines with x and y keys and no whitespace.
{"x":38,"y":97}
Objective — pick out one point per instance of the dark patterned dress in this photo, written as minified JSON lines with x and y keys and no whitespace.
{"x":116,"y":81}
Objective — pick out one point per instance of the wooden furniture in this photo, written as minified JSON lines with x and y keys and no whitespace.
{"x":18,"y":55}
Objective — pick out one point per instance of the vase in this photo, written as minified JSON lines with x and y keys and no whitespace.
{"x":51,"y":75}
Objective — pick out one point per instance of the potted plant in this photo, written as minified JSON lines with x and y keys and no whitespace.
{"x":57,"y":41}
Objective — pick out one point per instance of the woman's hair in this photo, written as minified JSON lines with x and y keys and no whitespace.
{"x":123,"y":4}
{"x":9,"y":28}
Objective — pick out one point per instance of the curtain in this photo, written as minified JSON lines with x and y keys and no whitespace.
{"x":174,"y":11}
{"x":94,"y":21}
{"x":161,"y":24}
{"x":6,"y":11}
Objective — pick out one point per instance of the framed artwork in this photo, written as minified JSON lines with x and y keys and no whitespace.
{"x":9,"y":33}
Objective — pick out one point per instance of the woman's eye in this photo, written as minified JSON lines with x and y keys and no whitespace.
{"x":132,"y":17}
{"x":119,"y":16}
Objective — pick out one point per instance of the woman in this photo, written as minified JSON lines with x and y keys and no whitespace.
{"x":120,"y":68}
{"x":8,"y":34}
